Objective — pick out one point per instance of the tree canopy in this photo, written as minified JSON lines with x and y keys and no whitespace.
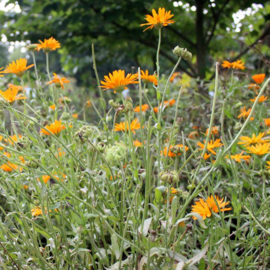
{"x":113,"y":26}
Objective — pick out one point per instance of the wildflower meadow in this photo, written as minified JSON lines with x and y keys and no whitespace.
{"x":147,"y":174}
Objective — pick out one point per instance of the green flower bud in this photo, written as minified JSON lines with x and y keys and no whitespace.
{"x":65,"y":116}
{"x":184,"y":53}
{"x":116,"y":153}
{"x":101,"y":147}
{"x":84,"y":133}
{"x":31,"y":164}
{"x":169,"y":177}
{"x":23,"y":143}
{"x":31,"y":47}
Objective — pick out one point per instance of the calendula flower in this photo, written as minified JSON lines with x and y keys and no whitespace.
{"x":57,"y":81}
{"x":45,"y":178}
{"x":145,"y":107}
{"x":253,"y":86}
{"x":245,"y":113}
{"x":63,"y":100}
{"x":146,"y":78}
{"x":206,"y":208}
{"x":75,"y":115}
{"x":214,"y":130}
{"x":54,"y":128}
{"x":170,"y":153}
{"x":1,"y":147}
{"x":258,"y":78}
{"x":13,"y":139}
{"x":117,"y":81}
{"x":235,"y":65}
{"x":18,"y":68}
{"x":48,"y":45}
{"x":9,"y":167}
{"x":267,"y":122}
{"x":173,"y":193}
{"x":166,"y":103}
{"x":123,"y":126}
{"x":10,"y":95}
{"x":261,"y":99}
{"x":12,"y":86}
{"x":193,"y":134}
{"x":137,"y":143}
{"x":175,"y":74}
{"x":60,"y":153}
{"x":88,"y":103}
{"x":206,"y":156}
{"x":226,"y":64}
{"x":268,"y":166}
{"x":52,"y":107}
{"x":1,"y":72}
{"x":246,"y":141}
{"x":259,"y":149}
{"x":240,"y":157}
{"x":158,"y":20}
{"x":36,"y":211}
{"x":211,"y":145}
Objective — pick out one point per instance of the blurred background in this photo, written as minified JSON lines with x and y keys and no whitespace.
{"x":213,"y":30}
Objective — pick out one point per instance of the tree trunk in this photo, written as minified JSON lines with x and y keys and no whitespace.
{"x":201,"y":43}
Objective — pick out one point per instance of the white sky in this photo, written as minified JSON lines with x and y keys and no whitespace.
{"x":236,"y":26}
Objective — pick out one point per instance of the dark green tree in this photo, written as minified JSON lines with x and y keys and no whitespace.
{"x":114,"y":27}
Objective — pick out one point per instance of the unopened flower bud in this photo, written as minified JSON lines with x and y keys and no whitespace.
{"x":23,"y":143}
{"x":184,"y":53}
{"x":65,"y":116}
{"x":168,"y":177}
{"x":176,"y":150}
{"x":31,"y":47}
{"x":31,"y":164}
{"x":101,"y":147}
{"x":83,"y":134}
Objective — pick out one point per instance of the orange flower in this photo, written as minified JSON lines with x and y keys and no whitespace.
{"x":10,"y":95}
{"x":60,"y":153}
{"x":18,"y":68}
{"x":253,"y":86}
{"x":48,"y":45}
{"x":246,"y":141}
{"x":214,"y":130}
{"x":52,"y":107}
{"x":268,"y":167}
{"x":123,"y":126}
{"x":148,"y":78}
{"x":267,"y":122}
{"x":137,"y":143}
{"x":238,"y":65}
{"x":45,"y":178}
{"x":88,"y":103}
{"x":206,"y":156}
{"x":145,"y":107}
{"x":175,"y":74}
{"x":64,"y":100}
{"x":169,"y":153}
{"x":54,"y":128}
{"x":166,"y":103}
{"x":158,"y":20}
{"x":261,"y":99}
{"x":259,"y":149}
{"x":12,"y":86}
{"x":1,"y":138}
{"x":62,"y":178}
{"x":58,"y":82}
{"x":258,"y":78}
{"x":36,"y":211}
{"x":240,"y":157}
{"x":211,"y":145}
{"x":13,"y":139}
{"x":193,"y":134}
{"x":235,"y":65}
{"x":9,"y":167}
{"x":226,"y":64}
{"x":117,"y":80}
{"x":172,"y":195}
{"x":75,"y":115}
{"x":1,"y":72}
{"x":245,"y":113}
{"x":206,"y":208}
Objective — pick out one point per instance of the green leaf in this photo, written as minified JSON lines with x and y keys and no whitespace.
{"x":199,"y":218}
